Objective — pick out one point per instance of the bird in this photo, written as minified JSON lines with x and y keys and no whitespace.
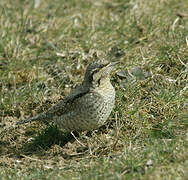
{"x":88,"y":106}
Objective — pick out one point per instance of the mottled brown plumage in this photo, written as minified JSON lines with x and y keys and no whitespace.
{"x":88,"y":106}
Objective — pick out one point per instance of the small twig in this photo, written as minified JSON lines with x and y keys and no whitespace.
{"x":174,"y":23}
{"x":186,"y":39}
{"x":181,"y":61}
{"x":181,"y":15}
{"x":77,"y":139}
{"x":31,"y":158}
{"x":117,"y":134}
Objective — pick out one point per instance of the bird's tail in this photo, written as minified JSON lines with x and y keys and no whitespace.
{"x":35,"y":118}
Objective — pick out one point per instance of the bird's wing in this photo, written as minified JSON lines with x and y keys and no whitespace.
{"x":65,"y":105}
{"x":60,"y":108}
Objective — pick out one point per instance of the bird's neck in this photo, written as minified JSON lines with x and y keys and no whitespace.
{"x":105,"y":83}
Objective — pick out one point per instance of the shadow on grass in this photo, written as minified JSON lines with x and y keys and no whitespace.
{"x":46,"y":138}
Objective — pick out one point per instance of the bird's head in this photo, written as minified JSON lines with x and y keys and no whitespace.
{"x":98,"y":71}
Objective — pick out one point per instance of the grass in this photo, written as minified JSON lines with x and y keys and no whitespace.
{"x":44,"y":50}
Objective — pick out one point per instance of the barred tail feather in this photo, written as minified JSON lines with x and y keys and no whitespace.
{"x":35,"y":118}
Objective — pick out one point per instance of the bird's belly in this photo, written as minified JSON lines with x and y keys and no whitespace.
{"x":96,"y":115}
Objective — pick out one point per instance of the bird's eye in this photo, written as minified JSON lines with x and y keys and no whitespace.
{"x":93,"y":72}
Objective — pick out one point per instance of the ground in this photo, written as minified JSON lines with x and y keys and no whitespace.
{"x":45,"y":47}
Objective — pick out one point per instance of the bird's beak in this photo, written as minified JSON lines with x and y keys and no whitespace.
{"x":113,"y":64}
{"x":109,"y":68}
